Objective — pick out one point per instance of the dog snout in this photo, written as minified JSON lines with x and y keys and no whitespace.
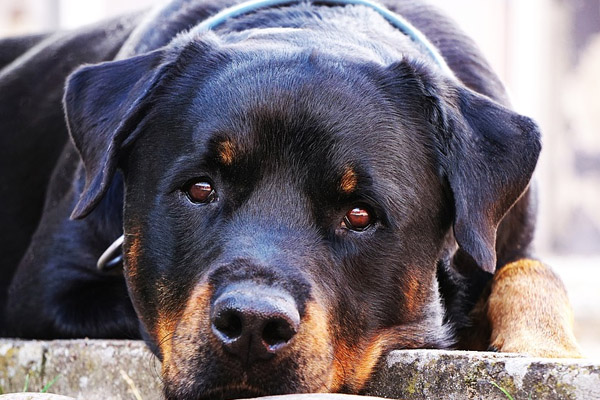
{"x":254,"y":322}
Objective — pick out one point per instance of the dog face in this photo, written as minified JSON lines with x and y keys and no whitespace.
{"x":284,"y":213}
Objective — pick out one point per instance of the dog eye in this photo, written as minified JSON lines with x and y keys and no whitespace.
{"x":357,"y":219}
{"x":200,"y":192}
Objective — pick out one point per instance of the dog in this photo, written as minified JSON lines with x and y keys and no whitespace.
{"x":301,"y":188}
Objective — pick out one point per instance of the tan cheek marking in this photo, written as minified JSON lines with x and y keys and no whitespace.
{"x":368,"y":361}
{"x":341,"y":365}
{"x":176,"y":331}
{"x":133,"y":252}
{"x":349,"y":181}
{"x":315,"y":326}
{"x":227,"y":152}
{"x":529,"y":311}
{"x":314,"y":345}
{"x":165,"y":323}
{"x":197,"y":307}
{"x":412,"y":296}
{"x":165,"y":327}
{"x":354,"y":366}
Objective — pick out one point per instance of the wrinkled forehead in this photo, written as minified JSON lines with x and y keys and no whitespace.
{"x":290,"y":107}
{"x":266,"y":94}
{"x":295,"y":91}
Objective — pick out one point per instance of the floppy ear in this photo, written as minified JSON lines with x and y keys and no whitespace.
{"x":487,"y":154}
{"x":490,"y":155}
{"x":103,"y":104}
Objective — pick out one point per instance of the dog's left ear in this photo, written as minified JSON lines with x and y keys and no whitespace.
{"x":487,"y":154}
{"x":490,"y":153}
{"x":104,"y":104}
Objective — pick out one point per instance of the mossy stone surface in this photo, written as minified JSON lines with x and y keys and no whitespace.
{"x":436,"y":374}
{"x":84,"y":369}
{"x":99,"y":369}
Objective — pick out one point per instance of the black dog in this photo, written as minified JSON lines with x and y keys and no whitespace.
{"x":301,"y":189}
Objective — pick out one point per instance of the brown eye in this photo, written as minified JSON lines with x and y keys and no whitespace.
{"x":201,"y":192}
{"x":358,"y":219}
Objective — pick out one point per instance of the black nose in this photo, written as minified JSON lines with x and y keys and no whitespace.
{"x":254,"y":322}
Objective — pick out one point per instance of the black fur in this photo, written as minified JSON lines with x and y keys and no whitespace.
{"x":437,"y":161}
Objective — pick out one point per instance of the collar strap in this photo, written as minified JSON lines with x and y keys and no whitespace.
{"x":394,"y":19}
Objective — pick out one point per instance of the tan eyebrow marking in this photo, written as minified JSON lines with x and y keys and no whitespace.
{"x":227,"y":152}
{"x":349,"y":180}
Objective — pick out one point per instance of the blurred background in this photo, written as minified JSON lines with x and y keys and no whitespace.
{"x":548,"y":54}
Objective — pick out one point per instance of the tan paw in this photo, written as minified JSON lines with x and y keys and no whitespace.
{"x":529,"y":312}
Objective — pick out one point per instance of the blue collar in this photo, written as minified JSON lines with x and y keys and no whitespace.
{"x":394,"y":19}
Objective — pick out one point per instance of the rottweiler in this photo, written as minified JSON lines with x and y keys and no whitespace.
{"x":301,"y":188}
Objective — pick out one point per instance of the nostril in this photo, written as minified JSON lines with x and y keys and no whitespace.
{"x":254,"y":322}
{"x":277,"y":333}
{"x":229,"y":324}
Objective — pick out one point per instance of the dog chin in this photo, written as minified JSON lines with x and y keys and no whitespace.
{"x":219,"y":393}
{"x":232,"y":392}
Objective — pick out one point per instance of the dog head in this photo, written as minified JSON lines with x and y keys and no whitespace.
{"x":285,"y":211}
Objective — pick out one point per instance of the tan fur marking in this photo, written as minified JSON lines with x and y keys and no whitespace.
{"x":196,"y":309}
{"x":412,"y":296}
{"x":227,"y":152}
{"x":529,"y":312}
{"x":349,"y":180}
{"x":369,"y":357}
{"x":133,"y":253}
{"x":313,"y":344}
{"x":165,"y":326}
{"x":341,"y":365}
{"x":354,"y":367}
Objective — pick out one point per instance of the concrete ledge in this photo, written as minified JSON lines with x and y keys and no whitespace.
{"x":437,"y":374}
{"x":33,"y":396}
{"x":86,"y":369}
{"x":94,"y":369}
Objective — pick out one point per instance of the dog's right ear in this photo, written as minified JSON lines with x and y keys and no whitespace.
{"x":104,"y":104}
{"x":486,"y":152}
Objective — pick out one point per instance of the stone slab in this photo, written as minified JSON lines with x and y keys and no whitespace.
{"x":84,"y":369}
{"x":438,"y":374}
{"x":99,"y":369}
{"x":33,"y":396}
